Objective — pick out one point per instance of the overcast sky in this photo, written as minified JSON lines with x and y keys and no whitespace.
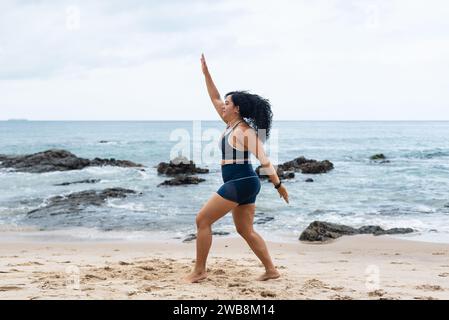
{"x":139,"y":60}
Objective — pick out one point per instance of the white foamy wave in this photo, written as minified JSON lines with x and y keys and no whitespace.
{"x":88,"y":234}
{"x":6,"y":211}
{"x":16,"y":228}
{"x":139,"y":207}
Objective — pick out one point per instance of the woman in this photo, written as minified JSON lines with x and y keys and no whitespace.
{"x":244,"y":114}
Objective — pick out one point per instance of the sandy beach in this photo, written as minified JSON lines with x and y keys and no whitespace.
{"x":353,"y":267}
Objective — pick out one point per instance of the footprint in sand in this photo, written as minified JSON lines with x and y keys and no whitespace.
{"x":235,"y":284}
{"x":315,"y":284}
{"x":425,"y":298}
{"x":429,"y":287}
{"x":9,"y":288}
{"x":377,"y":293}
{"x":147,"y":268}
{"x":340,"y":297}
{"x":29,"y":263}
{"x":399,"y":262}
{"x":93,"y":276}
{"x":219,"y":272}
{"x":247,"y":291}
{"x":268,"y":294}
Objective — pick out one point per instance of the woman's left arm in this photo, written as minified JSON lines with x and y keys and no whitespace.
{"x":251,"y":141}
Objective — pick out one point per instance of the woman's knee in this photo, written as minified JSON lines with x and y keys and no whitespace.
{"x":202,"y":222}
{"x":244,"y":232}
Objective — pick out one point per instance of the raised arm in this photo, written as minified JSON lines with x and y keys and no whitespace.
{"x":212,"y":89}
{"x":249,"y":139}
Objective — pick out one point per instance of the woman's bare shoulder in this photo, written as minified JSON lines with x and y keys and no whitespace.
{"x":244,"y":126}
{"x":244,"y":129}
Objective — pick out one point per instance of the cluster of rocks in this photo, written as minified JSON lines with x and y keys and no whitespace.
{"x":324,"y":231}
{"x":321,"y":231}
{"x":182,"y":170}
{"x":63,"y":160}
{"x":77,"y":201}
{"x":287,"y":169}
{"x":182,"y":179}
{"x":57,"y":160}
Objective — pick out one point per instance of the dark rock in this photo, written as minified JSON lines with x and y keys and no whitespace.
{"x":393,"y":231}
{"x":263,"y":220}
{"x":280,"y":172}
{"x":97,"y":162}
{"x":324,"y":231}
{"x":179,"y":165}
{"x":181,"y":179}
{"x":192,"y":236}
{"x":77,"y":201}
{"x":370,"y":229}
{"x":308,"y":165}
{"x":56,"y":160}
{"x":309,"y":180}
{"x":81,"y":181}
{"x":287,"y":169}
{"x":378,"y":156}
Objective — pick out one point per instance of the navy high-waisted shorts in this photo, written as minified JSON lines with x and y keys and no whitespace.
{"x":241,"y":183}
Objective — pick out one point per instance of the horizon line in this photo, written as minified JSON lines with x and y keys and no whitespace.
{"x":173,"y":120}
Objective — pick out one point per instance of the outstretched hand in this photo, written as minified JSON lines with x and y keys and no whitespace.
{"x":203,"y":64}
{"x":283,"y":193}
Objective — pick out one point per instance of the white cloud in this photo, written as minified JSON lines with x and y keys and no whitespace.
{"x":140,"y":60}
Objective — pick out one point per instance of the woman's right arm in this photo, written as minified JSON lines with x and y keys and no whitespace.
{"x":212,"y":89}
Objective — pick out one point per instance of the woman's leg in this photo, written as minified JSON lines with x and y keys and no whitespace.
{"x":243,"y":218}
{"x":215,"y":208}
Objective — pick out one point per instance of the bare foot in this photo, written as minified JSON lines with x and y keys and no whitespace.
{"x":195,"y":277}
{"x":273,"y":274}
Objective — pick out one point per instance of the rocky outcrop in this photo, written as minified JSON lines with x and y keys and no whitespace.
{"x":324,"y":231}
{"x":308,"y":165}
{"x":261,"y":218}
{"x":192,"y":236}
{"x":181,"y":179}
{"x":77,"y":201}
{"x":179,"y":165}
{"x":57,"y":160}
{"x":280,"y":172}
{"x":380,"y":158}
{"x":80,"y":181}
{"x":181,"y":169}
{"x":287,"y":169}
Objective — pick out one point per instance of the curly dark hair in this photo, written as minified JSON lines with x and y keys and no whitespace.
{"x":255,"y":110}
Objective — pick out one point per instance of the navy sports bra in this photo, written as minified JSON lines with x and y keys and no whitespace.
{"x":228,"y":152}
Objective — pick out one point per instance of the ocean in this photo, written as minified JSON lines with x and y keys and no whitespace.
{"x":411,"y":190}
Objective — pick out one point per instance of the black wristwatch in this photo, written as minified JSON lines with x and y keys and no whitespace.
{"x":278,"y":185}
